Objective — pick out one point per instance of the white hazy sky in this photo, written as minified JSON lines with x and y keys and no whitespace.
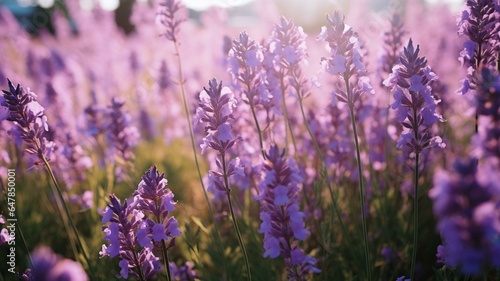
{"x":202,"y":4}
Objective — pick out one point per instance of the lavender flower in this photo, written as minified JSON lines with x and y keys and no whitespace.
{"x":73,"y":162}
{"x":125,"y":234}
{"x":169,"y":18}
{"x":153,"y":198}
{"x":20,"y":106}
{"x":215,"y":111}
{"x":4,"y":233}
{"x":345,"y":58}
{"x":121,"y":135}
{"x":282,"y":222}
{"x":416,"y":107}
{"x":393,"y":40}
{"x":184,"y":272}
{"x":468,"y":217}
{"x":47,"y":266}
{"x":130,"y":228}
{"x":245,"y":66}
{"x":479,"y":22}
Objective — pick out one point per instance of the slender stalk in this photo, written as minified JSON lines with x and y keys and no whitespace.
{"x":165,"y":260}
{"x":233,"y":217}
{"x":360,"y":176}
{"x":68,"y":215}
{"x":193,"y":147}
{"x":254,"y":115}
{"x":361,"y":194}
{"x":24,"y":243}
{"x":415,"y":219}
{"x":288,"y":125}
{"x":415,"y":202}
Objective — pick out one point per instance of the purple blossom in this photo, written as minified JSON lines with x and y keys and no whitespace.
{"x":153,"y":198}
{"x":282,"y":222}
{"x":122,"y":136}
{"x":169,"y":17}
{"x":47,"y":266}
{"x":393,"y":40}
{"x":479,"y":22}
{"x":4,"y":233}
{"x":245,"y":66}
{"x":29,"y":120}
{"x":345,"y":58}
{"x":469,"y":221}
{"x":126,"y":240}
{"x":72,"y":161}
{"x":416,"y":106}
{"x":184,"y":272}
{"x":215,"y":112}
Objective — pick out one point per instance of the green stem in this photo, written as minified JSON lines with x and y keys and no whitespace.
{"x":254,"y":115}
{"x":361,"y":185}
{"x":415,"y":218}
{"x":193,"y":147}
{"x":165,"y":260}
{"x":233,"y":217}
{"x":288,"y":126}
{"x":24,"y":243}
{"x":68,"y":215}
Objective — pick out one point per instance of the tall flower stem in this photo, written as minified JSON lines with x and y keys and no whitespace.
{"x":254,"y":115}
{"x":165,"y":260}
{"x":68,"y":215}
{"x":193,"y":147}
{"x":361,"y":185}
{"x":415,"y":206}
{"x":233,"y":217}
{"x":415,"y":219}
{"x":288,"y":125}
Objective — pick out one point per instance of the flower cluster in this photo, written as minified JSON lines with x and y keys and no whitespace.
{"x":416,"y":106}
{"x":215,"y":111}
{"x":49,"y":266}
{"x":20,"y":106}
{"x":72,"y":161}
{"x":479,"y":22}
{"x":466,"y":200}
{"x":130,"y":228}
{"x":4,"y":233}
{"x":122,"y":135}
{"x":245,"y":66}
{"x":184,"y":272}
{"x":284,"y":53}
{"x":282,"y":222}
{"x":123,"y":236}
{"x":393,"y":40}
{"x":169,"y":17}
{"x":345,"y":58}
{"x":469,"y":217}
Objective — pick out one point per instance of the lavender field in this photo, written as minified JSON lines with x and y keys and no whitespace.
{"x":277,"y":140}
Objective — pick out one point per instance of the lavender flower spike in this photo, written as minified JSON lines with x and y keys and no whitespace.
{"x":282,"y":222}
{"x":479,"y":22}
{"x":49,"y":266}
{"x":121,"y":135}
{"x":20,"y":106}
{"x":128,"y":241}
{"x":215,"y":111}
{"x":416,"y":106}
{"x":169,"y":18}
